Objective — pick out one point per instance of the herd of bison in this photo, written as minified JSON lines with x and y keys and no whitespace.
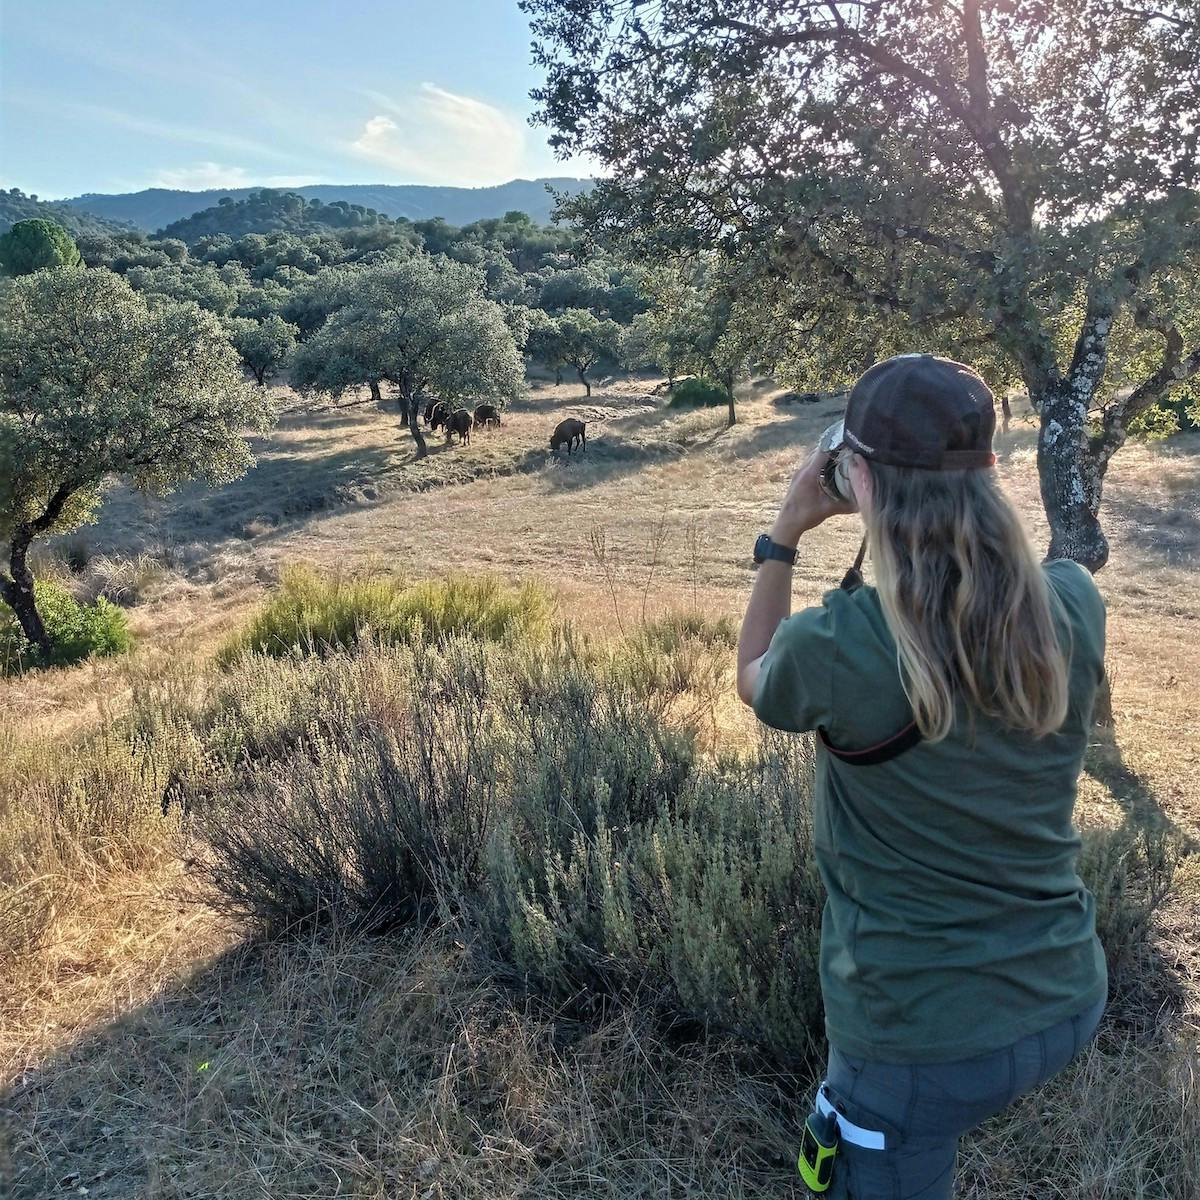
{"x":439,"y":415}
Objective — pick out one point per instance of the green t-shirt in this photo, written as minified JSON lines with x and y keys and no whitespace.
{"x":955,"y":921}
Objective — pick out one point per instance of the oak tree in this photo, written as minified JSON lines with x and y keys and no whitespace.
{"x":95,"y":385}
{"x":1012,"y":176}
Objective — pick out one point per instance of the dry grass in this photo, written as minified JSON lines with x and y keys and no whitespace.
{"x":350,"y":1067}
{"x":334,"y":1066}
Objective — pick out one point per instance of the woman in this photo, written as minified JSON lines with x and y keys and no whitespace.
{"x":959,"y":960}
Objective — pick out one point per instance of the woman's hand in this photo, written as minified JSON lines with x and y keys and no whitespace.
{"x":806,"y":505}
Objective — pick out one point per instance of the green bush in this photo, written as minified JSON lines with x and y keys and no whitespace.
{"x":77,"y":631}
{"x":676,"y":629}
{"x":698,"y":392}
{"x":708,"y":911}
{"x":316,"y":613}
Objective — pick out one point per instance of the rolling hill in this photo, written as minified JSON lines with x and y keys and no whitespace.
{"x":16,"y":206}
{"x":154,"y":208}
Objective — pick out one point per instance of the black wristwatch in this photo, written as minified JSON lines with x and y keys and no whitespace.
{"x":765,"y":548}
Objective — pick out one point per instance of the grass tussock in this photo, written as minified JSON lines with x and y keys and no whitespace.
{"x":70,"y":819}
{"x":127,"y":581}
{"x":312,"y":612}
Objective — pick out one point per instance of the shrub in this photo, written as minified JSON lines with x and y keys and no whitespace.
{"x":315,"y":613}
{"x":698,"y":392}
{"x":675,"y":629}
{"x":710,"y":910}
{"x":532,"y":786}
{"x":373,"y":804}
{"x":1129,"y":871}
{"x":77,"y":631}
{"x":368,"y":785}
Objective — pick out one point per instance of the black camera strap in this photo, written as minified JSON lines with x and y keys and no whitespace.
{"x":891,"y":747}
{"x":853,"y":580}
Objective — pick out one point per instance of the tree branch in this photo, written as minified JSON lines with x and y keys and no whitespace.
{"x":1174,"y":367}
{"x":980,"y":258}
{"x":1152,"y":14}
{"x":979,"y":122}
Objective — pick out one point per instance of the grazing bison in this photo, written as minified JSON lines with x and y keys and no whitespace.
{"x":486,"y":414}
{"x":568,"y":433}
{"x":437,"y":414}
{"x":459,"y":422}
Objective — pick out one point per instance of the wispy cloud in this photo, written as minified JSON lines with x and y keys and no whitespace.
{"x":166,"y":130}
{"x":199,"y":177}
{"x":439,"y":136}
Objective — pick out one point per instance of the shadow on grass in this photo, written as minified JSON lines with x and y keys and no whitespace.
{"x":1105,"y":763}
{"x":324,"y":1065}
{"x":1147,"y":989}
{"x":1164,"y":535}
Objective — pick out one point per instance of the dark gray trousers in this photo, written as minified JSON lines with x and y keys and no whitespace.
{"x":923,"y":1110}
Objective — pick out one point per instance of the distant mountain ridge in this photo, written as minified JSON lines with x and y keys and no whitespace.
{"x":154,"y":208}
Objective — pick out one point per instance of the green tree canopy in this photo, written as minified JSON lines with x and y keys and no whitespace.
{"x":1017,"y":175}
{"x":263,"y":345}
{"x":587,"y":340}
{"x":95,"y":384}
{"x":423,"y":323}
{"x":31,"y":245}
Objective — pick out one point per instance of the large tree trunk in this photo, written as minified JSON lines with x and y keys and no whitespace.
{"x":727,"y":380}
{"x":376,"y":394}
{"x":1070,"y":477}
{"x":584,"y":380}
{"x":17,"y":593}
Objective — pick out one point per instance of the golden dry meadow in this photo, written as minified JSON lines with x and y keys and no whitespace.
{"x":150,"y":1046}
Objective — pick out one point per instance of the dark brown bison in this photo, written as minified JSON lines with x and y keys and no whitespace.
{"x":486,"y":414}
{"x":568,"y":433}
{"x":437,"y":414}
{"x":459,"y":422}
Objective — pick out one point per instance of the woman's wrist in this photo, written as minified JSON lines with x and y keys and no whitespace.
{"x":788,"y":530}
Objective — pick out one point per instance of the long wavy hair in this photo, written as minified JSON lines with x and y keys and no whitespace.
{"x":966,"y":600}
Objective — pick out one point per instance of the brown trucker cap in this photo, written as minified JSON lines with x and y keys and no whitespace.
{"x":918,"y":410}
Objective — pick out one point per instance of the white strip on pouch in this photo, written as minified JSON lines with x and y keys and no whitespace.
{"x":869,"y":1139}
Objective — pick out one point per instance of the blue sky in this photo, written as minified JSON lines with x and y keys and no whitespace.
{"x":128,"y":94}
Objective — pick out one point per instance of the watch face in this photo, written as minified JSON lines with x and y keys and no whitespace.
{"x":761,"y":545}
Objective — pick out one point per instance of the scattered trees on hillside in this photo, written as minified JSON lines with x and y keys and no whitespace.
{"x":95,"y":383}
{"x":424,"y":323}
{"x":1018,"y":175}
{"x":15,"y":206}
{"x":30,"y":245}
{"x":271,"y":210}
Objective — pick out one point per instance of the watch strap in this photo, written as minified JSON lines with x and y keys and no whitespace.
{"x":770,"y":549}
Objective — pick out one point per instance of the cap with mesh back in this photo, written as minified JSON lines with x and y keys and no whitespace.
{"x":918,"y":410}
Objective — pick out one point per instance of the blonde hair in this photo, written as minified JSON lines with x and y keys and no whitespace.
{"x":966,"y":600}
